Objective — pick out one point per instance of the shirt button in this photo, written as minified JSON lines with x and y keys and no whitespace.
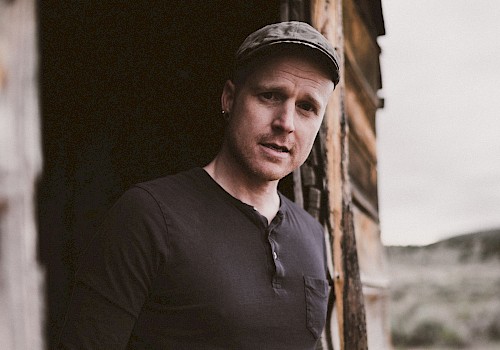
{"x":275,"y":256}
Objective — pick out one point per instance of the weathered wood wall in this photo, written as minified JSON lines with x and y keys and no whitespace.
{"x":363,"y":22}
{"x":359,"y":320}
{"x":20,"y":164}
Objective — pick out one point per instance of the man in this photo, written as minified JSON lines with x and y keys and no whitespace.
{"x":217,"y":258}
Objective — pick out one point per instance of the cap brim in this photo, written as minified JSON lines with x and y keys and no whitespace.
{"x":330,"y":60}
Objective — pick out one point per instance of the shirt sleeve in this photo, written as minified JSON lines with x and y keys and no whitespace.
{"x":116,"y":273}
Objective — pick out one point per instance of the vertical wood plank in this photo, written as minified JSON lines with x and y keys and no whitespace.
{"x":20,"y":164}
{"x":327,"y":17}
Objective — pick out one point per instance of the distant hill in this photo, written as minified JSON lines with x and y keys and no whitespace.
{"x":478,"y":246}
{"x":446,"y":294}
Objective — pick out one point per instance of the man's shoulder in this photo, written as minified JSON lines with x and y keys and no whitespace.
{"x":188,"y":187}
{"x":179,"y":181}
{"x":300,"y":213}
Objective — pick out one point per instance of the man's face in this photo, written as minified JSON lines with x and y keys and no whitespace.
{"x":275,"y":116}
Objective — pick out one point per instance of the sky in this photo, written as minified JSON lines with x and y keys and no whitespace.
{"x":439,"y":132}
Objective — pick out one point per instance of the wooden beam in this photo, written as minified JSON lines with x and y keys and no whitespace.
{"x":327,"y":18}
{"x":360,"y":122}
{"x":21,"y":292}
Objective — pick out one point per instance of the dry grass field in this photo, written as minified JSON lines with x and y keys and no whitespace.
{"x":447,"y":295}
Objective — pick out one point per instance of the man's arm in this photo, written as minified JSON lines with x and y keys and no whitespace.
{"x":115,"y":274}
{"x":93,"y":322}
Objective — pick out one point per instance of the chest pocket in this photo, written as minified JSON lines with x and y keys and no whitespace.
{"x":316,"y":292}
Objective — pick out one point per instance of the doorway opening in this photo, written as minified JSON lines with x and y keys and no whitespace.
{"x":128,"y":93}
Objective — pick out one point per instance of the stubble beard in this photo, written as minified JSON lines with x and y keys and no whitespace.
{"x":255,"y":164}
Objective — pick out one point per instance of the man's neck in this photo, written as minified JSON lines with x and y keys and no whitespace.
{"x":262,"y":195}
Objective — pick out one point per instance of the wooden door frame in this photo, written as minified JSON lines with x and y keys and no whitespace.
{"x":346,"y":315}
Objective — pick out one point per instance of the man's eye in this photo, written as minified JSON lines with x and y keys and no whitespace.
{"x":269,"y":96}
{"x":306,"y":107}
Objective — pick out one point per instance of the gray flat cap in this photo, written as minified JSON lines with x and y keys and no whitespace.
{"x":291,"y":33}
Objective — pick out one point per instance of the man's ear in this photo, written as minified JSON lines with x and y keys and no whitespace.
{"x":228,"y":96}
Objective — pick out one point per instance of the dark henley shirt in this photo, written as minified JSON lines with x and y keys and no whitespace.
{"x":181,"y":264}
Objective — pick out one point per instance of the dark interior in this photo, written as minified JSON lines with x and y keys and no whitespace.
{"x":129,"y":91}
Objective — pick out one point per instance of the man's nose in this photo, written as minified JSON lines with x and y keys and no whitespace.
{"x":285,"y":118}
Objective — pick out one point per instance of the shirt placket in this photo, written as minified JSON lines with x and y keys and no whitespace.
{"x":273,"y":239}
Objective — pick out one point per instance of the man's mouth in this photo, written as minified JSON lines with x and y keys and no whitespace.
{"x":276,"y":147}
